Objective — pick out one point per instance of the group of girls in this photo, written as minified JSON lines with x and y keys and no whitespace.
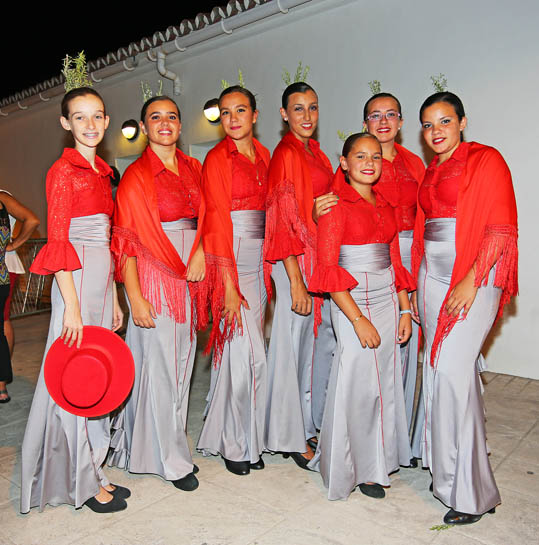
{"x":335,"y":388}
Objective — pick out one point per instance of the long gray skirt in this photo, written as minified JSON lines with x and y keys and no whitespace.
{"x":289,"y":419}
{"x":150,"y":431}
{"x":62,"y":454}
{"x":234,"y":424}
{"x":364,"y":436}
{"x":454,"y":431}
{"x":409,"y":351}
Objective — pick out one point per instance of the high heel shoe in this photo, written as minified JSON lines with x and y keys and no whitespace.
{"x":313,"y":443}
{"x":300,"y":460}
{"x":258,"y":465}
{"x":456,"y":517}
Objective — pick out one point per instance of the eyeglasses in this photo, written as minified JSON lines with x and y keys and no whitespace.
{"x":390,"y":116}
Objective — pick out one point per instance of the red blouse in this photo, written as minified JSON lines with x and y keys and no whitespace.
{"x":399,"y":188}
{"x":74,"y":189}
{"x":439,"y":190}
{"x":321,"y":175}
{"x":249,"y":180}
{"x":355,"y":221}
{"x":178,"y":196}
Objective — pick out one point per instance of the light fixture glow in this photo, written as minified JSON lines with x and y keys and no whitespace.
{"x":130,"y":129}
{"x":211,"y":110}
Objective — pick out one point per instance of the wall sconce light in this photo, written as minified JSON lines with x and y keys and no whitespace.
{"x":211,"y":111}
{"x":130,"y":129}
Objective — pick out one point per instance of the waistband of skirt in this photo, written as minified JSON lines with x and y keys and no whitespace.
{"x":249,"y":223}
{"x":183,"y":224}
{"x":440,"y":229}
{"x":406,"y":234}
{"x":91,"y":230}
{"x":365,"y":257}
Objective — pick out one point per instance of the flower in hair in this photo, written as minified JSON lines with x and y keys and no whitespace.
{"x":75,"y":72}
{"x":300,"y":75}
{"x":439,"y":83}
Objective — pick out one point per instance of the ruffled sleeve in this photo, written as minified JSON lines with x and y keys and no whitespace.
{"x":403,"y":279}
{"x":328,"y":276}
{"x":58,"y":254}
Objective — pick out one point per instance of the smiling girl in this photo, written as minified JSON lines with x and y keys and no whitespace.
{"x":364,"y":436}
{"x":466,"y":258}
{"x":63,"y":454}
{"x":160,"y":259}
{"x":234,"y":180}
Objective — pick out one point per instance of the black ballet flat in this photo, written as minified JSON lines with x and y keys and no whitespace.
{"x":455,"y":517}
{"x":300,"y":460}
{"x":196,"y":469}
{"x":238,"y":468}
{"x":374,"y":490}
{"x":258,"y":465}
{"x":120,"y":491}
{"x":113,"y":506}
{"x":187,"y":483}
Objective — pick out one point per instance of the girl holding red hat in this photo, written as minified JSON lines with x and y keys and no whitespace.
{"x":63,"y":454}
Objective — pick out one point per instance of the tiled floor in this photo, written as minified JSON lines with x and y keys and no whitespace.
{"x":281,"y":505}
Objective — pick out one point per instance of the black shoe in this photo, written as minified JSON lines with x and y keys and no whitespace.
{"x":196,"y":469}
{"x":455,"y":517}
{"x":187,"y":483}
{"x":313,"y":442}
{"x":6,"y":399}
{"x":120,"y":491}
{"x":372,"y":490}
{"x":258,"y":465}
{"x":300,"y":460}
{"x":414,"y":462}
{"x":114,"y":505}
{"x":431,"y":487}
{"x":238,"y":468}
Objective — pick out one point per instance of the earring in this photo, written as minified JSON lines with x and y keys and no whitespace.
{"x":286,"y":119}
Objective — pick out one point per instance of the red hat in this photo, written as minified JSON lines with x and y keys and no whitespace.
{"x":94,"y":379}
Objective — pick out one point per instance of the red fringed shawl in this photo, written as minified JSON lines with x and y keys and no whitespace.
{"x":137,"y":232}
{"x":290,"y":229}
{"x":218,"y":238}
{"x":486,"y":232}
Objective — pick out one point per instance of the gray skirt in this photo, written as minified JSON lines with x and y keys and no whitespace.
{"x":454,"y":433}
{"x":364,"y":436}
{"x":150,"y":431}
{"x":62,"y":454}
{"x":409,"y":351}
{"x":234,"y":424}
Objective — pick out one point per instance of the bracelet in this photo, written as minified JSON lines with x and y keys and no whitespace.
{"x":402,"y":312}
{"x":356,"y":319}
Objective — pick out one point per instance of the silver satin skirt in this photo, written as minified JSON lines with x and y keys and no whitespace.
{"x":454,"y":433}
{"x":234,"y":424}
{"x":409,"y":351}
{"x":150,"y":431}
{"x":63,"y":454}
{"x":364,"y":436}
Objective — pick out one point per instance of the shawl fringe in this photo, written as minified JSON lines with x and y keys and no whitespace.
{"x":218,"y":269}
{"x":153,"y":274}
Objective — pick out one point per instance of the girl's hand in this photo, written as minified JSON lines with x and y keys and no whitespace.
{"x":462,"y":296}
{"x":302,"y":302}
{"x":405,"y":328}
{"x":72,"y":326}
{"x":196,"y":270}
{"x":142,"y":312}
{"x":323,"y":204}
{"x":233,"y":303}
{"x":117,"y":314}
{"x":415,"y":310}
{"x":366,"y":333}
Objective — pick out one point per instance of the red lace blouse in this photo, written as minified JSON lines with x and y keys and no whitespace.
{"x":249,"y":180}
{"x":178,"y":196}
{"x":355,"y":221}
{"x":321,"y":175}
{"x":439,"y":190}
{"x":74,"y":190}
{"x":399,"y":188}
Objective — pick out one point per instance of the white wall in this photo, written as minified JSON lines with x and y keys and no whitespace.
{"x":488,"y":52}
